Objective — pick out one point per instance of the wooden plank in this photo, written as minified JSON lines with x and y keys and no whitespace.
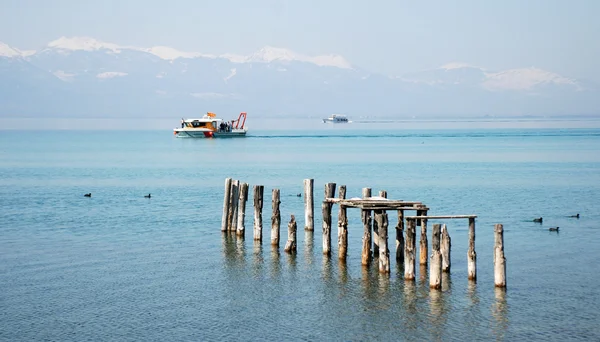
{"x":434,"y":217}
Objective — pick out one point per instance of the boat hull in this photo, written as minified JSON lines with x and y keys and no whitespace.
{"x":207,"y":134}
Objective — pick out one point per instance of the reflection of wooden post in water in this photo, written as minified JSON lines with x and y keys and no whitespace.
{"x":329,"y":193}
{"x":275,"y":218}
{"x":423,"y":252}
{"x":258,"y":206}
{"x":435,"y":265}
{"x":241,"y":218}
{"x":445,"y":249}
{"x":400,"y":238}
{"x":226,"y":199}
{"x":366,"y":240}
{"x":233,"y":203}
{"x":409,"y":250}
{"x":342,"y":226}
{"x":499,"y":259}
{"x":309,"y":205}
{"x":471,"y":255}
{"x":290,"y":246}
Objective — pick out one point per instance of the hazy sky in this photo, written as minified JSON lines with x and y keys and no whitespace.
{"x":388,"y":36}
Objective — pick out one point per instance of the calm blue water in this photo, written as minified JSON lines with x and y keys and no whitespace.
{"x":118,"y":266}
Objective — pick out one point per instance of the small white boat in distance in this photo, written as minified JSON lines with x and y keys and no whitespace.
{"x":209,"y":126}
{"x":336,"y":118}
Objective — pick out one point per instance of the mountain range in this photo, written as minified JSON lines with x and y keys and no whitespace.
{"x":84,"y":77}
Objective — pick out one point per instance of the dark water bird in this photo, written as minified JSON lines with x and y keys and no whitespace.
{"x":88,"y":194}
{"x":147,"y":196}
{"x":575,"y":216}
{"x":299,"y":195}
{"x":539,"y":220}
{"x":553,"y":229}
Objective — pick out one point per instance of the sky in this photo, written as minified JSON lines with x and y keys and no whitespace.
{"x":385,"y":36}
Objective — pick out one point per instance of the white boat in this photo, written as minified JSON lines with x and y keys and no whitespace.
{"x":336,"y":118}
{"x":209,"y":126}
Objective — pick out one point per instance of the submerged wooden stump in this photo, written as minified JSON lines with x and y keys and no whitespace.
{"x":471,"y":254}
{"x":233,"y":203}
{"x":499,"y":259}
{"x":309,"y":205}
{"x":226,"y":199}
{"x":435,"y":265}
{"x":409,"y":250}
{"x":275,"y":218}
{"x":342,"y":226}
{"x":400,"y":238}
{"x":329,"y":193}
{"x":290,"y":246}
{"x":241,"y":218}
{"x":423,"y":250}
{"x":258,"y":206}
{"x":445,"y":249}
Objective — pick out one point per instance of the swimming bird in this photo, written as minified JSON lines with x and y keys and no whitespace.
{"x":553,"y":229}
{"x":147,"y":196}
{"x":88,"y":195}
{"x":539,"y":220}
{"x":576,"y":216}
{"x":299,"y":195}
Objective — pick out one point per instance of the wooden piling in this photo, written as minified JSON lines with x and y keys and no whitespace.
{"x":435,"y":264}
{"x":409,"y":250}
{"x":423,"y":250}
{"x":342,"y":226}
{"x":366,"y":240}
{"x":241,"y":218}
{"x":226,"y":199}
{"x":275,"y":218}
{"x":400,"y":238}
{"x":499,"y":259}
{"x":258,"y":206}
{"x":445,"y":249}
{"x":290,"y":246}
{"x":233,"y":202}
{"x":329,"y":193}
{"x":384,"y":253}
{"x":309,"y":205}
{"x":471,"y":254}
{"x":377,"y":222}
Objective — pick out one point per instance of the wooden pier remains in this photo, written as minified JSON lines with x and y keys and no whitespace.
{"x":375,"y":223}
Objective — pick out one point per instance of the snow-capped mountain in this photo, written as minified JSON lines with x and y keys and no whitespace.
{"x":82,"y":76}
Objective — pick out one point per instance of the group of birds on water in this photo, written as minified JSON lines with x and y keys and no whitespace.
{"x":89,"y":194}
{"x":553,"y":229}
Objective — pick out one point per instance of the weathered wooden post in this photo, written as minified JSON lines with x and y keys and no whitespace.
{"x":377,"y":222}
{"x":423,"y":252}
{"x":471,"y":255}
{"x":366,"y":240}
{"x":445,"y":249}
{"x":233,"y":203}
{"x":499,"y":259}
{"x":241,"y":218}
{"x":435,"y":265}
{"x":258,"y":206}
{"x":400,"y":238}
{"x":290,"y":246}
{"x":384,"y":253}
{"x":275,"y":218}
{"x":309,"y":205}
{"x":409,"y":250}
{"x":342,"y":226}
{"x":329,"y":193}
{"x":226,"y":199}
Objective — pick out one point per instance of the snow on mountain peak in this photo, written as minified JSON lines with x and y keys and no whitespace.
{"x":7,"y":51}
{"x":269,"y":54}
{"x":458,"y":65}
{"x":83,"y":43}
{"x":524,"y":79}
{"x":169,"y":53}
